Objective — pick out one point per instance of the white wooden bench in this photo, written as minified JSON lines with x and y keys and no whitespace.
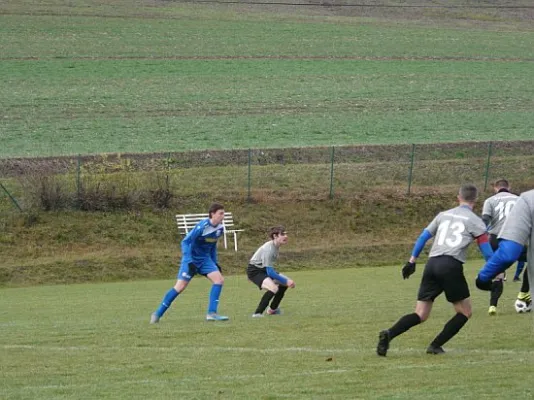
{"x":186,"y":222}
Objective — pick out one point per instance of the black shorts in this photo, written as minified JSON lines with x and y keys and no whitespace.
{"x":256,"y":275}
{"x":443,"y":274}
{"x":494,"y":242}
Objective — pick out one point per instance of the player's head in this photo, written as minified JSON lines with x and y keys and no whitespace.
{"x":501,"y":184}
{"x":216,"y":213}
{"x":278,"y":234}
{"x":468,"y":193}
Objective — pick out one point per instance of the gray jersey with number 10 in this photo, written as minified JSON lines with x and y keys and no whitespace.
{"x":498,"y":207}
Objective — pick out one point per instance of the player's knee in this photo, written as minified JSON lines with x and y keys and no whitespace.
{"x":423,"y":316}
{"x":180,"y":286}
{"x":274,"y":289}
{"x":270,"y":286}
{"x":467,"y":313}
{"x":218,"y":280}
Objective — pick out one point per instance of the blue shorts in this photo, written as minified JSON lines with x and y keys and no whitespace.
{"x":189,"y":269}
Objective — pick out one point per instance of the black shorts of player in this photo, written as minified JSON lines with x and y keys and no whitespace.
{"x":494,"y":242}
{"x":256,"y":275}
{"x":443,"y":274}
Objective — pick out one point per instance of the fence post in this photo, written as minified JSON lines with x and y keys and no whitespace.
{"x":249,"y":196}
{"x":410,"y":172}
{"x":332,"y":173}
{"x":11,"y":197}
{"x":78,"y":183}
{"x":168,"y":162}
{"x":490,"y":148}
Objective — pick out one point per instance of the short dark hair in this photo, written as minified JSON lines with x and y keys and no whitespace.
{"x":501,"y":184}
{"x":468,"y":192}
{"x":276,"y":230}
{"x":214,"y":208}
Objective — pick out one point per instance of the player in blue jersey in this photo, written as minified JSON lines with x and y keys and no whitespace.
{"x":199,"y":256}
{"x":454,"y":230}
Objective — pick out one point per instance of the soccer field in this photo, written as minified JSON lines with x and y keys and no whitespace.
{"x":94,"y":341}
{"x":90,"y":77}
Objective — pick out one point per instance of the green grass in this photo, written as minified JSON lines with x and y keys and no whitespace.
{"x":120,"y":76}
{"x":92,"y":107}
{"x":94,"y":341}
{"x":67,"y":247}
{"x":95,"y":77}
{"x":202,"y":34}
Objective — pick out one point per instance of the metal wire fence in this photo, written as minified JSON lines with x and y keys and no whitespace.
{"x":309,"y":173}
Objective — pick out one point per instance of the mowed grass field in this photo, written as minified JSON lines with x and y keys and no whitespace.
{"x":134,"y":76}
{"x":94,"y":341}
{"x":92,"y":76}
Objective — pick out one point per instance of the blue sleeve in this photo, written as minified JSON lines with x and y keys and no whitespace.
{"x":188,"y":242}
{"x":486,"y":250}
{"x":507,"y":253}
{"x":420,"y":243}
{"x":274,"y":275}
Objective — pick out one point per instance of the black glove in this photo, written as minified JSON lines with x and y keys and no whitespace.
{"x":408,"y":269}
{"x":483,"y":285}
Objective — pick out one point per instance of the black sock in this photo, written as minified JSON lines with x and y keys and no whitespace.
{"x":264,"y":302}
{"x":450,"y":329}
{"x":496,"y":292}
{"x":525,"y":287}
{"x":278,"y":297}
{"x":403,"y":324}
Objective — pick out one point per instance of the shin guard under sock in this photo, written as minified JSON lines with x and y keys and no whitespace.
{"x":403,"y":324}
{"x":496,"y":292}
{"x":450,"y":329}
{"x":264,"y":302}
{"x":278,"y":297}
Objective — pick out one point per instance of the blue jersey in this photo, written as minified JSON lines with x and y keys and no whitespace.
{"x":200,"y":244}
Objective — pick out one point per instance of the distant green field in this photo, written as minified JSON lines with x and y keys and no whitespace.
{"x":96,"y":77}
{"x":94,"y":341}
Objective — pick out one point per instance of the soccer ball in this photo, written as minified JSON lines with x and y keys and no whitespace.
{"x":521,"y":306}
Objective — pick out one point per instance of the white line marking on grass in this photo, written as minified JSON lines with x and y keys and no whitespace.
{"x":439,"y":366}
{"x":54,"y":348}
{"x":454,"y":350}
{"x":363,"y":351}
{"x":409,"y":350}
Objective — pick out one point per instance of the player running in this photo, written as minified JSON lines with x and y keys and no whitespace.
{"x":516,"y":233}
{"x":454,"y":230}
{"x":494,"y":212}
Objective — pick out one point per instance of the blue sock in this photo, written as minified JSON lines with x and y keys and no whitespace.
{"x":519,"y":269}
{"x":215,"y":293}
{"x":167,"y":301}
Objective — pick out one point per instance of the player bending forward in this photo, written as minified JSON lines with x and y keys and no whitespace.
{"x":261,"y":272}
